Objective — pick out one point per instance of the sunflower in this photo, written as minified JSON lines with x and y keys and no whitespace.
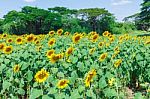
{"x":35,"y":39}
{"x":92,"y":50}
{"x":89,"y":77}
{"x":2,"y":45}
{"x":106,"y":33}
{"x":147,"y":42}
{"x":38,"y":48}
{"x":59,"y":31}
{"x":4,"y":35}
{"x":62,"y":83}
{"x":19,"y":40}
{"x":111,"y":81}
{"x":51,"y":42}
{"x":50,"y":52}
{"x":107,"y":44}
{"x":76,"y":38}
{"x":51,"y":33}
{"x":16,"y":68}
{"x":30,"y":38}
{"x":95,"y":37}
{"x":69,"y":51}
{"x":7,"y":49}
{"x":54,"y":58}
{"x":41,"y":76}
{"x":101,"y":44}
{"x":67,"y":33}
{"x":116,"y":49}
{"x":92,"y":33}
{"x":10,"y":40}
{"x":83,"y":34}
{"x":60,"y":56}
{"x":103,"y":57}
{"x":37,"y":42}
{"x":117,"y":62}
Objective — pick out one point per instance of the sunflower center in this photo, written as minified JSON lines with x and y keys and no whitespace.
{"x":62,"y":83}
{"x":8,"y":49}
{"x":77,"y":38}
{"x":41,"y":75}
{"x":1,"y":46}
{"x":103,"y":57}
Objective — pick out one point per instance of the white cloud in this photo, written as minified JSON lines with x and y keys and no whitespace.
{"x":120,"y":2}
{"x":29,"y":0}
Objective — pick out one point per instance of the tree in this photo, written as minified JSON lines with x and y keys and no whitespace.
{"x":92,"y":18}
{"x":145,"y":15}
{"x":1,"y":24}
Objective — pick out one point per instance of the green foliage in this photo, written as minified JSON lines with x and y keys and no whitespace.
{"x":126,"y":27}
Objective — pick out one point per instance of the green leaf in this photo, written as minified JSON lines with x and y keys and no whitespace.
{"x":6,"y":85}
{"x":24,"y":65}
{"x":110,"y":92}
{"x":2,"y":67}
{"x":54,"y":70}
{"x":29,"y":75}
{"x":81,"y":88}
{"x":35,"y":93}
{"x":21,"y":91}
{"x":138,"y":96}
{"x":80,"y":65}
{"x":102,"y":83}
{"x":60,"y":74}
{"x":74,"y":60}
{"x":46,"y":97}
{"x":75,"y":94}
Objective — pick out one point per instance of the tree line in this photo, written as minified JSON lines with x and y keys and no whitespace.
{"x":40,"y":21}
{"x":141,"y":19}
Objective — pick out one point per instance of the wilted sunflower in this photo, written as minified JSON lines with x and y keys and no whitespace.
{"x":76,"y":38}
{"x":10,"y":40}
{"x":16,"y":68}
{"x":69,"y":51}
{"x":51,"y":42}
{"x":19,"y":40}
{"x":117,"y":62}
{"x":92,"y":50}
{"x":2,"y":45}
{"x":50,"y":52}
{"x":51,"y":33}
{"x":54,"y":58}
{"x":59,"y":31}
{"x":62,"y":83}
{"x":103,"y":57}
{"x":41,"y":76}
{"x":30,"y":38}
{"x":7,"y":49}
{"x":111,"y":81}
{"x":89,"y":77}
{"x":94,"y":37}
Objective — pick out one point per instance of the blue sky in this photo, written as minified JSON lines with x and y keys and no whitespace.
{"x":120,"y":8}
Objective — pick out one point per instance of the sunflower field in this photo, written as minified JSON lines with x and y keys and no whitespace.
{"x":61,"y":65}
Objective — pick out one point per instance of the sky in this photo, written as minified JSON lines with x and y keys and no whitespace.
{"x":120,"y":8}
